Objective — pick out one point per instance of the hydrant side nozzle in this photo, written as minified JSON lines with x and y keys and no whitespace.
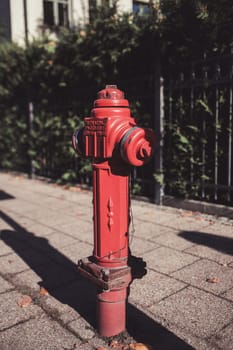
{"x":77,"y":141}
{"x":137,"y":146}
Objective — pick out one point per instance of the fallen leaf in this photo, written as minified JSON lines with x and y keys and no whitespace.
{"x":19,"y":177}
{"x":139,"y":346}
{"x":186,"y":213}
{"x":118,"y":346}
{"x":213,"y":280}
{"x":74,"y":189}
{"x":199,"y":218}
{"x":25,"y":301}
{"x":43,"y":291}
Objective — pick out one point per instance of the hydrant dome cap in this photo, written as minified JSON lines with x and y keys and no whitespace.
{"x":111,"y":96}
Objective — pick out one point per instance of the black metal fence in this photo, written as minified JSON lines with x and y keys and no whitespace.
{"x":198,"y":130}
{"x":191,"y":113}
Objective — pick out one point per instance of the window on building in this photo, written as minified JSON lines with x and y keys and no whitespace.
{"x":56,"y":13}
{"x":140,"y":7}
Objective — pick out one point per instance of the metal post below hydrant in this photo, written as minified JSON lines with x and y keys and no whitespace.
{"x":111,"y":138}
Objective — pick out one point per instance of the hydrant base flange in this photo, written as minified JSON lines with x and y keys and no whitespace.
{"x":105,"y":278}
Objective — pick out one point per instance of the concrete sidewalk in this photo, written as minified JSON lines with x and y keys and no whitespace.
{"x":184,"y":302}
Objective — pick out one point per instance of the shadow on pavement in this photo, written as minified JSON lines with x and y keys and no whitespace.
{"x":79,"y":293}
{"x":5,"y":195}
{"x":220,"y":243}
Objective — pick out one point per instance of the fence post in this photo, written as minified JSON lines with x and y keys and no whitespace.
{"x":31,"y":120}
{"x":159,"y":126}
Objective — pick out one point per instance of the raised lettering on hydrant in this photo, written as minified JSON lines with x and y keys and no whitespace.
{"x":112,"y":140}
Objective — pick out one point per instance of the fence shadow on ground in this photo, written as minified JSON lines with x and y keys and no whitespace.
{"x":77,"y":292}
{"x":5,"y":195}
{"x":219,"y":243}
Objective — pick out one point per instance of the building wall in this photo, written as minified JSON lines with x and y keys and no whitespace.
{"x":79,"y":12}
{"x":79,"y":15}
{"x":125,"y":6}
{"x":35,"y":18}
{"x":17,"y":21}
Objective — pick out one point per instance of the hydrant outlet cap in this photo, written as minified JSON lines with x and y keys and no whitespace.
{"x":111,"y":96}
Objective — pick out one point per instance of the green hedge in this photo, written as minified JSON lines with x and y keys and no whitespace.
{"x":61,"y":77}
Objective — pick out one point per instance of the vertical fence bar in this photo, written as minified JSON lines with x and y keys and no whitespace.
{"x":191,"y":121}
{"x":170,"y":106}
{"x":230,"y":136}
{"x":168,"y":121}
{"x":217,"y":76}
{"x":203,"y":156}
{"x":181,"y":99}
{"x":158,"y":123}
{"x":31,"y":121}
{"x":159,"y":128}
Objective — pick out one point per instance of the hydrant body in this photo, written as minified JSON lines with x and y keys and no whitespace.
{"x":111,"y":138}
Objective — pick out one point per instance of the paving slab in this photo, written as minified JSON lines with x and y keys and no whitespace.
{"x":144,"y":328}
{"x":171,"y":239}
{"x":55,"y":240}
{"x":200,"y":313}
{"x":210,"y":253}
{"x":228,"y":294}
{"x":161,"y":218}
{"x":49,"y":275}
{"x":146,"y":230}
{"x":3,"y":224}
{"x":6,"y":245}
{"x":223,"y":339}
{"x":82,"y":328}
{"x":58,"y":309}
{"x":182,"y":223}
{"x":80,"y":295}
{"x":40,"y":334}
{"x":200,"y":272}
{"x":79,"y":229}
{"x":45,"y":229}
{"x":152,"y":288}
{"x":219,"y":229}
{"x":75,"y":252}
{"x":12,"y":263}
{"x":140,"y":246}
{"x":18,"y":206}
{"x":5,"y":286}
{"x":167,"y":260}
{"x":47,"y":217}
{"x":79,"y":212}
{"x":24,"y":225}
{"x":11,"y":313}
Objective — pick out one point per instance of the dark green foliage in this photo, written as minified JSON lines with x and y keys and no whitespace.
{"x":61,"y":79}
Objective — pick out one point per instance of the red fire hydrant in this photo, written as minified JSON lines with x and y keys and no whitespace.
{"x":111,"y":138}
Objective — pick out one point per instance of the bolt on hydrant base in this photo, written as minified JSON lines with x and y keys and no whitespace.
{"x":115,"y":143}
